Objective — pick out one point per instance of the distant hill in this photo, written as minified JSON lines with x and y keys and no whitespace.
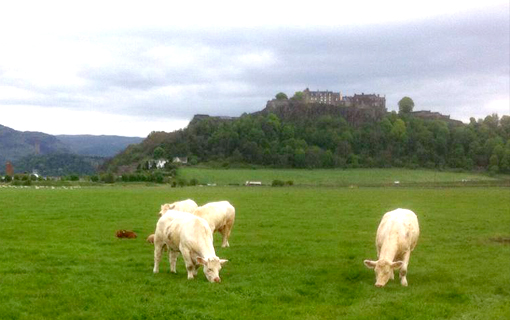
{"x":15,"y":145}
{"x":53,"y":155}
{"x":97,"y":146}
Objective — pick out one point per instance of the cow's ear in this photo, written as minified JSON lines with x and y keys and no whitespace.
{"x":370,"y":264}
{"x":397,"y":264}
{"x":223,"y":261}
{"x":201,"y":261}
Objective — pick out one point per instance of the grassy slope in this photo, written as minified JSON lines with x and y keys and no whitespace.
{"x":329,"y":177}
{"x":296,"y":254}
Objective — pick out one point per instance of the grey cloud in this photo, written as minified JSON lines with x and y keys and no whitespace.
{"x":442,"y":64}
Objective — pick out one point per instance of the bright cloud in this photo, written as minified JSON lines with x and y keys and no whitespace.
{"x":153,"y":65}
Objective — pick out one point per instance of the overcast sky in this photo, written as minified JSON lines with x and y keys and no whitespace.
{"x":132,"y":67}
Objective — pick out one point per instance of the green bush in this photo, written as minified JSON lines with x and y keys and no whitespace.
{"x":277,"y":183}
{"x":289,"y":183}
{"x":108,"y":178}
{"x":182,"y":182}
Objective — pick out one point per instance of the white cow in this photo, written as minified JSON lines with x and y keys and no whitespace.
{"x":220,"y":216}
{"x":190,"y":235}
{"x":397,"y":236}
{"x":183,"y":206}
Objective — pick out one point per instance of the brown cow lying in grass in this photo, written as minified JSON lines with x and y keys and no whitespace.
{"x":125,"y":234}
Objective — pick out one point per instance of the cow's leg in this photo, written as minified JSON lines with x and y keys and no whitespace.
{"x":172,"y":257}
{"x":158,"y":247}
{"x":403,"y":269}
{"x":226,"y":234}
{"x":195,"y":270}
{"x":190,"y":266}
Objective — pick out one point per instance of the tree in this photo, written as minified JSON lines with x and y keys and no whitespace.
{"x":398,"y":131}
{"x":298,"y":96}
{"x":159,"y":153}
{"x":281,"y":96}
{"x":405,"y":105}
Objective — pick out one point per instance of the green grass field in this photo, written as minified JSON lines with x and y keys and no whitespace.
{"x":296,"y":253}
{"x":331,"y":177}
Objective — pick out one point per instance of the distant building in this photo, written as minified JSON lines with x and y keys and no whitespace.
{"x":337,"y":99}
{"x":9,"y":169}
{"x":37,"y":147}
{"x":183,"y":160}
{"x":427,"y":114}
{"x":253,"y":183}
{"x":158,"y":164}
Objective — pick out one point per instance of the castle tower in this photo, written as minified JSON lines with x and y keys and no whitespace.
{"x":9,"y":169}
{"x":37,"y":146}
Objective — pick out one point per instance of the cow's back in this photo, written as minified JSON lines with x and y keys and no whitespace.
{"x":167,"y":231}
{"x":216,"y":213}
{"x":186,"y":206}
{"x":193,"y":233}
{"x":400,"y":225}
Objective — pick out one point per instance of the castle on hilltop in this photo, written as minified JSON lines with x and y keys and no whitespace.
{"x":336,"y":99}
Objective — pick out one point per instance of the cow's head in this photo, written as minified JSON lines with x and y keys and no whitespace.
{"x":383,"y":270}
{"x":165,"y":207}
{"x":212,"y":267}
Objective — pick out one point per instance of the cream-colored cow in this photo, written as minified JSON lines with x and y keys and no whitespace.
{"x":397,"y":236}
{"x":191,"y":236}
{"x":183,"y":206}
{"x":220,"y":216}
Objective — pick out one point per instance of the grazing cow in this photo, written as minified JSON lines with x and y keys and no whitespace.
{"x":125,"y":234}
{"x":191,"y":236}
{"x":183,"y":206}
{"x":397,"y":236}
{"x":220,"y":216}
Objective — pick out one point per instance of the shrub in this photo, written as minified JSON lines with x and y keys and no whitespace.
{"x":493,"y":170}
{"x":108,"y":178}
{"x":278,"y":183}
{"x":289,"y":183}
{"x":182,"y":182}
{"x":193,"y":182}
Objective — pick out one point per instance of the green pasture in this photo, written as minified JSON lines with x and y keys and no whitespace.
{"x":332,"y":177}
{"x":296,"y":253}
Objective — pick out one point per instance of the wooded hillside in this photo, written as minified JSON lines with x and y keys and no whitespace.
{"x":321,"y":139}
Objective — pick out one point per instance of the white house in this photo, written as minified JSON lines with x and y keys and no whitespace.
{"x":180,"y":160}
